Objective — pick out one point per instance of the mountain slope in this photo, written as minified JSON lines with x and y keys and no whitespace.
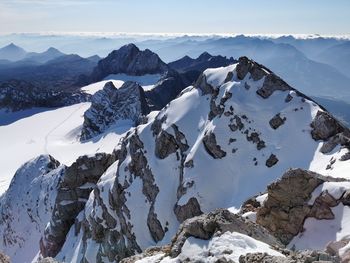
{"x":12,"y":52}
{"x":223,"y":140}
{"x":201,"y":63}
{"x":129,"y":60}
{"x":49,"y":54}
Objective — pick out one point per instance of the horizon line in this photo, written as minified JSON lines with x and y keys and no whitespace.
{"x":177,"y":34}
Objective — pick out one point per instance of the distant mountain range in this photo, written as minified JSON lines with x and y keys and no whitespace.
{"x":54,"y":70}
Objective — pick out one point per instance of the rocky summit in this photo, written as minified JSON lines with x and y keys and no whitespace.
{"x":237,"y":167}
{"x":129,"y":59}
{"x":110,"y":105}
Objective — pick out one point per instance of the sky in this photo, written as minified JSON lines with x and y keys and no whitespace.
{"x":325,"y":17}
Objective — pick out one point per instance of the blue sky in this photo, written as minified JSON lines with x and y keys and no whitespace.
{"x":330,"y":17}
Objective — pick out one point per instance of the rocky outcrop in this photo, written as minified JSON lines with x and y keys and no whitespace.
{"x":286,"y":207}
{"x":211,"y":146}
{"x":216,"y":222}
{"x":25,"y":208}
{"x":4,"y":258}
{"x":291,"y":257}
{"x":73,"y":191}
{"x":18,"y":95}
{"x":277,"y":121}
{"x":168,"y":87}
{"x":129,"y":60}
{"x":201,"y":63}
{"x":110,"y":105}
{"x":324,"y":126}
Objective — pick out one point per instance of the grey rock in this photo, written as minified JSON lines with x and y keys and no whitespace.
{"x":211,"y":146}
{"x":69,"y":202}
{"x":4,"y":258}
{"x":190,"y":209}
{"x":325,"y":126}
{"x":277,"y":121}
{"x":271,"y":84}
{"x":218,"y":221}
{"x":110,"y":105}
{"x":306,"y":256}
{"x":271,"y":161}
{"x":165,"y":145}
{"x":286,"y":207}
{"x":246,"y":65}
{"x":203,"y":85}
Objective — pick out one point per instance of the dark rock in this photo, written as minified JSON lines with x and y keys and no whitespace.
{"x":85,"y":170}
{"x":201,"y":63}
{"x":271,"y":161}
{"x":286,"y":206}
{"x":110,"y":105}
{"x":18,"y":95}
{"x":189,"y":210}
{"x":4,"y":258}
{"x":292,"y":257}
{"x":277,"y":121}
{"x":245,"y":65}
{"x":129,"y":60}
{"x":325,"y":126}
{"x":271,"y":84}
{"x":218,"y":221}
{"x":154,"y":226}
{"x":165,"y":145}
{"x":167,"y":88}
{"x":211,"y":146}
{"x":203,"y":85}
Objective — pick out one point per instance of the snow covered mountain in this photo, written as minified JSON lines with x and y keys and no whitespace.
{"x":222,"y":141}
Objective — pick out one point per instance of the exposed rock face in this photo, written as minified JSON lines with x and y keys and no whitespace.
{"x":286,"y":207}
{"x":73,"y":191}
{"x":212,"y":147}
{"x":26,"y":207}
{"x":291,"y":257}
{"x":203,"y":85}
{"x":17,"y":95}
{"x":129,"y":60}
{"x":4,"y":258}
{"x":277,"y":121}
{"x":271,"y":161}
{"x":110,"y":105}
{"x":168,"y":87}
{"x":325,"y":126}
{"x":218,"y":221}
{"x":271,"y":84}
{"x":204,"y":61}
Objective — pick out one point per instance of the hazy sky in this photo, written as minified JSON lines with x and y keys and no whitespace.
{"x":331,"y":17}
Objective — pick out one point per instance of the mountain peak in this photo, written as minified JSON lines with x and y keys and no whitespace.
{"x":204,"y":56}
{"x":12,"y":52}
{"x":130,"y":60}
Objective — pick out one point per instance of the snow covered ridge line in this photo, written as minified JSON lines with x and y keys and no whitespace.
{"x":220,"y":142}
{"x":238,"y":116}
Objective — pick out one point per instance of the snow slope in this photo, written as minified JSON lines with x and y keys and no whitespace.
{"x":26,"y":207}
{"x":55,"y":132}
{"x":230,"y":245}
{"x":194,"y":151}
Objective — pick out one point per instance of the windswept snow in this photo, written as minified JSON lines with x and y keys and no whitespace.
{"x":230,"y":245}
